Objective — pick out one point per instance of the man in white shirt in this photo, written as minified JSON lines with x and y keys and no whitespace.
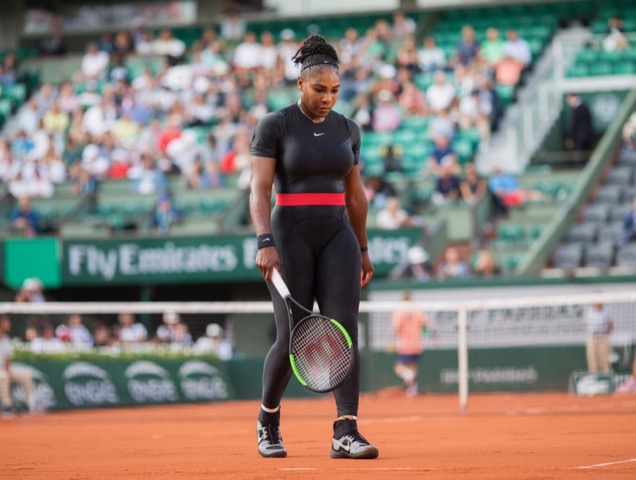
{"x":9,"y":374}
{"x":517,"y":48}
{"x":441,"y":93}
{"x":94,"y":63}
{"x":599,"y":326}
{"x":131,"y":332}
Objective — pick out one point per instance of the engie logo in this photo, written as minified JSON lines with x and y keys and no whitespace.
{"x":201,"y":381}
{"x":148,"y":382}
{"x":87,"y":384}
{"x":43,"y":394}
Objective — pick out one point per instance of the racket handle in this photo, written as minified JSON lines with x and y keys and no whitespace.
{"x":278,"y":282}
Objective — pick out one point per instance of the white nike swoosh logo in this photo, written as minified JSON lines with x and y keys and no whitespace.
{"x":346,"y":448}
{"x":318,"y":134}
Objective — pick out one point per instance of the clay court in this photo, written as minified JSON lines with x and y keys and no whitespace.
{"x":501,"y":436}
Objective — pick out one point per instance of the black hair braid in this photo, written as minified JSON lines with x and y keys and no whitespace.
{"x":315,"y":51}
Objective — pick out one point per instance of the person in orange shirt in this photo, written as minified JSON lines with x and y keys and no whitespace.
{"x":408,"y":339}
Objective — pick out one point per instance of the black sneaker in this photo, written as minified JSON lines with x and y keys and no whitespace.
{"x":348,"y":443}
{"x":270,"y":442}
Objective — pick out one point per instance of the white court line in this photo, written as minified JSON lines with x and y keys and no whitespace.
{"x":297,"y":469}
{"x":608,"y":464}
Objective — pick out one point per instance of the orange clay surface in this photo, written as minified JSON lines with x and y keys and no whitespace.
{"x":500,"y":437}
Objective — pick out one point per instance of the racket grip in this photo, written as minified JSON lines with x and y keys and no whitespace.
{"x":278,"y":282}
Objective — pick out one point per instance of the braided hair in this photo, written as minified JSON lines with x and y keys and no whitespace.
{"x":314,"y":53}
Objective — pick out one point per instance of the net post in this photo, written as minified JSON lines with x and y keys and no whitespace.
{"x":462,"y":356}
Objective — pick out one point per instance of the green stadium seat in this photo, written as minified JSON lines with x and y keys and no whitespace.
{"x":601,"y":68}
{"x":578,"y":70}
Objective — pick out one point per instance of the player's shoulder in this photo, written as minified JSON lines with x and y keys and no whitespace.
{"x":352,"y":126}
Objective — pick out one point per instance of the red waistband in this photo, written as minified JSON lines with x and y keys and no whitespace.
{"x":300,"y":199}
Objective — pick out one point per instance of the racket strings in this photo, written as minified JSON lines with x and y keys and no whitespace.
{"x":322,"y":354}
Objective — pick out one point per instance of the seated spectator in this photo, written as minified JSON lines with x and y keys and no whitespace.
{"x":431,"y":57}
{"x":362,"y":112}
{"x":247,"y":56}
{"x":94,"y":65}
{"x":393,"y":216}
{"x":199,"y":177}
{"x":74,"y":332}
{"x":378,"y":191}
{"x":30,"y":292}
{"x":492,"y":49}
{"x":508,"y":71}
{"x":467,"y":49}
{"x":412,"y":100}
{"x":629,"y":225}
{"x":402,"y":26}
{"x":508,"y":193}
{"x":447,"y":185}
{"x":419,"y":267}
{"x":149,"y":179}
{"x":103,"y":336}
{"x":213,"y":343}
{"x":166,"y":44}
{"x":472,"y":186}
{"x":130,"y":332}
{"x":485,"y":265}
{"x":452,"y":267}
{"x":8,"y":70}
{"x":25,"y":219}
{"x":173,"y":330}
{"x":615,"y":39}
{"x":441,"y":93}
{"x":442,"y":125}
{"x":46,"y":341}
{"x":85,"y":184}
{"x":386,"y":116}
{"x":517,"y":48}
{"x":232,"y":25}
{"x":406,"y":57}
{"x":442,"y":156}
{"x":165,"y":215}
{"x":392,"y":158}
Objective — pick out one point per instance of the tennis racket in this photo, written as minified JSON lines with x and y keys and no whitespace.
{"x":320,"y":349}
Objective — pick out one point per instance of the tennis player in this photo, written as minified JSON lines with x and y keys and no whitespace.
{"x":316,"y":234}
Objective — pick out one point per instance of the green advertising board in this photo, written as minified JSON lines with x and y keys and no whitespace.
{"x":32,"y":257}
{"x":148,"y":261}
{"x":62,"y":384}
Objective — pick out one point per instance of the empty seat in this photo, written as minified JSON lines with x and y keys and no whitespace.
{"x":611,"y":194}
{"x":629,"y":193}
{"x":582,"y":233}
{"x":600,"y":255}
{"x":611,"y":232}
{"x":620,"y":175}
{"x":620,"y":211}
{"x":626,"y":256}
{"x":596,"y":212}
{"x":568,"y":256}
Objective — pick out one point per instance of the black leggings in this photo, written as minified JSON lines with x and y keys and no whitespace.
{"x":320,"y":259}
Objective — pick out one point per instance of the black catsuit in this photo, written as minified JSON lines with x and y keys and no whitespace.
{"x":318,"y":250}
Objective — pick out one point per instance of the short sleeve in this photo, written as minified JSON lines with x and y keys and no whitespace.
{"x":355,"y":140}
{"x":267,"y":136}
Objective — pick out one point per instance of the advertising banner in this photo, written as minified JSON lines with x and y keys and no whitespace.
{"x":63,"y":384}
{"x":148,"y":261}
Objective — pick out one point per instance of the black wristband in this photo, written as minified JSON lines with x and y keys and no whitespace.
{"x":364,"y":249}
{"x":265,"y":240}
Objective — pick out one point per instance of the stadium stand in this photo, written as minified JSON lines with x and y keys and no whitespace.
{"x":163,"y":87}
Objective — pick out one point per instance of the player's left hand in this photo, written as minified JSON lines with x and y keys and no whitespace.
{"x":367,"y":269}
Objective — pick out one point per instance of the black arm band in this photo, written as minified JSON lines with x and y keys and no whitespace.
{"x":265,"y":240}
{"x":364,"y":249}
